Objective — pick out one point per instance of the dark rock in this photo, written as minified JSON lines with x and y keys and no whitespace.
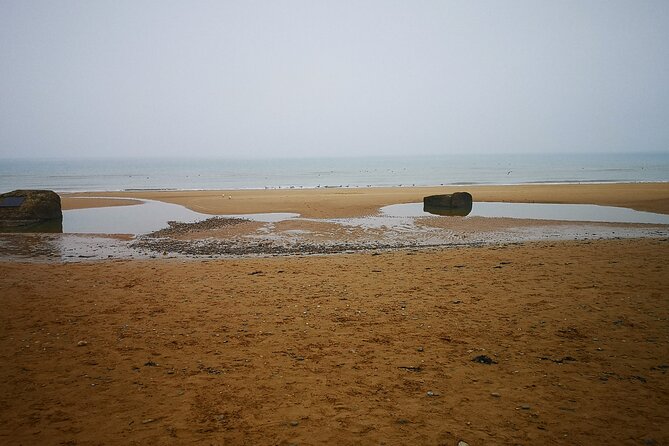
{"x":456,"y":204}
{"x":483,"y":359}
{"x":21,"y":208}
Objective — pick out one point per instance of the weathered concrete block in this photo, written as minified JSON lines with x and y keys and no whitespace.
{"x":28,"y":207}
{"x":458,"y":204}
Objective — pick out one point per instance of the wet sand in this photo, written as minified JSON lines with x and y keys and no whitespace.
{"x":342,"y":349}
{"x":355,"y":202}
{"x":70,"y":203}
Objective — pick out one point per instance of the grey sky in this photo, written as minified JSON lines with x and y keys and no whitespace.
{"x":311,"y":78}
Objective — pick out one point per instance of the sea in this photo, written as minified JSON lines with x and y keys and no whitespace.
{"x":117,"y":174}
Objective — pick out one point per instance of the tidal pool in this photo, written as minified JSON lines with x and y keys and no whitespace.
{"x":147,"y":217}
{"x":539,"y":211}
{"x":153,"y":215}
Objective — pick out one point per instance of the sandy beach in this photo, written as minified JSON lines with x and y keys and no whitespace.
{"x":214,"y":227}
{"x":534,"y":343}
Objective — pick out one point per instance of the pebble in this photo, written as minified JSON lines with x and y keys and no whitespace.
{"x":484,"y":359}
{"x":496,"y":395}
{"x":82,"y":343}
{"x":525,"y":406}
{"x":431,"y":393}
{"x":420,"y":349}
{"x":462,"y":443}
{"x":294,"y":423}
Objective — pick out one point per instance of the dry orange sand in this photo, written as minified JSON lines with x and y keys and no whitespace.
{"x":343,"y":349}
{"x":350,"y":202}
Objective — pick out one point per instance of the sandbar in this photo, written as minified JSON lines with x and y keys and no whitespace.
{"x":70,"y":202}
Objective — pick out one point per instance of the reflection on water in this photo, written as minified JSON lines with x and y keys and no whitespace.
{"x":147,"y":217}
{"x":54,"y":226}
{"x":153,"y":215}
{"x":447,"y":212}
{"x":140,"y":219}
{"x":66,"y":247}
{"x":539,"y":211}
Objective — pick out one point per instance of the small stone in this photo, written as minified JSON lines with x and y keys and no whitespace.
{"x":525,"y":406}
{"x":294,"y":423}
{"x":82,"y":343}
{"x":496,"y":395}
{"x":431,"y":393}
{"x":420,"y":349}
{"x":148,"y":420}
{"x":402,"y":421}
{"x":462,"y":443}
{"x":484,"y":359}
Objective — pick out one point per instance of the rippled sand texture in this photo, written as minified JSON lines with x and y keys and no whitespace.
{"x":347,"y":349}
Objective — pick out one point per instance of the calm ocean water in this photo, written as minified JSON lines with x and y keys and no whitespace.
{"x":67,"y":175}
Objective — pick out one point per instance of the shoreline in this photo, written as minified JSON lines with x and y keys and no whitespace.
{"x":356,"y":202}
{"x":301,"y":187}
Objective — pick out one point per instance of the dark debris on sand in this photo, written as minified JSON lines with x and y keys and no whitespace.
{"x":164,"y":241}
{"x":235,"y":247}
{"x":177,"y":228}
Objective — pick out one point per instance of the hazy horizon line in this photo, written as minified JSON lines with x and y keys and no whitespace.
{"x":330,"y":156}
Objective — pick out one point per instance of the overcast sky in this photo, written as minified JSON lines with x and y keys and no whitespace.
{"x":323,"y":78}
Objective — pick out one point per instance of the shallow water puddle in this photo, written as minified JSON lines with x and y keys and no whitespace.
{"x":147,"y":217}
{"x":538,"y":211}
{"x":153,"y":215}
